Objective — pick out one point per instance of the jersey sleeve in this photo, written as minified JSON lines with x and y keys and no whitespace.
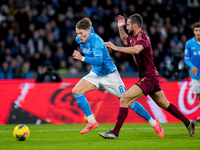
{"x":188,"y":55}
{"x":143,"y":42}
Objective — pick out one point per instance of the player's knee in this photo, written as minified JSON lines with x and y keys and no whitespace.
{"x":163,"y":104}
{"x":124,"y":101}
{"x":75,"y":91}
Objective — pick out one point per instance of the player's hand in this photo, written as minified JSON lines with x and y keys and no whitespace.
{"x":76,"y":55}
{"x":194,"y":71}
{"x":110,"y":45}
{"x":121,"y":21}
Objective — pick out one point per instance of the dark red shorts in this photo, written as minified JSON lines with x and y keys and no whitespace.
{"x":149,"y":84}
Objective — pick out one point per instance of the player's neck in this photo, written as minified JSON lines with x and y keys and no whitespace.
{"x":197,"y":39}
{"x":137,"y":31}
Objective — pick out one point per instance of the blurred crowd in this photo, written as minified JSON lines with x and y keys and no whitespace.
{"x":37,"y":33}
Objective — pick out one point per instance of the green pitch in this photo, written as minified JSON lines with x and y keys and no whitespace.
{"x":132,"y":136}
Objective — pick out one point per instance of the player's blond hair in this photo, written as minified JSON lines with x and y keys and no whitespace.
{"x":84,"y":24}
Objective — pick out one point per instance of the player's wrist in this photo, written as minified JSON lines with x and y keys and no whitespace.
{"x":120,"y":28}
{"x":83,"y":59}
{"x":117,"y":48}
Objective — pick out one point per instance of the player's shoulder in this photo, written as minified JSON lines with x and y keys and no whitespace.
{"x":142,"y":36}
{"x":142,"y":33}
{"x":95,"y":38}
{"x":190,"y":41}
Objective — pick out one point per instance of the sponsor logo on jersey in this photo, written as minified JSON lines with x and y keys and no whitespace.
{"x":186,"y":51}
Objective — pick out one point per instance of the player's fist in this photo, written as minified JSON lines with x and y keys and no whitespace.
{"x":76,"y":55}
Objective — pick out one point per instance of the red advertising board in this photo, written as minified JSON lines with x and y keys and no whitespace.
{"x":25,"y":101}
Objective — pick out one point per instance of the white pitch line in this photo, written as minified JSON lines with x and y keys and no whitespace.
{"x":58,"y":130}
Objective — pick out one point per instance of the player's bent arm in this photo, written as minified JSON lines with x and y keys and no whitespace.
{"x":97,"y":60}
{"x":189,"y":62}
{"x":131,"y":50}
{"x":123,"y":35}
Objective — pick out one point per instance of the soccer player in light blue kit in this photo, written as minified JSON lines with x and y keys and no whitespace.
{"x":103,"y":73}
{"x":192,"y":58}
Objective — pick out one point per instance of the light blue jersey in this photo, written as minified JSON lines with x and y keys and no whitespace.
{"x":94,"y":47}
{"x":192,"y":56}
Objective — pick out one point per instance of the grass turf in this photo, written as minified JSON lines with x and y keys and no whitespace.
{"x":132,"y":136}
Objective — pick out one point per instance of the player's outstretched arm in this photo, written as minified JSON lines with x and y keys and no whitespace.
{"x":130,"y":50}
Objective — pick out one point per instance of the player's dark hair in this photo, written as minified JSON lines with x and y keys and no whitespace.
{"x":197,"y":25}
{"x":84,"y":24}
{"x":136,"y":18}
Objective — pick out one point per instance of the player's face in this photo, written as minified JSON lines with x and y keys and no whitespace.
{"x":83,"y":34}
{"x":129,"y":27}
{"x":197,"y":33}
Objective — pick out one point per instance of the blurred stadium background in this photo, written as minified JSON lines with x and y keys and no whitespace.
{"x":40,"y":32}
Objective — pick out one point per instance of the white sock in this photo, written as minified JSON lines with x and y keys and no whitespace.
{"x":91,"y":118}
{"x":152,"y":122}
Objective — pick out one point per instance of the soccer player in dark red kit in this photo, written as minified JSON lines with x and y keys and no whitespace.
{"x":138,"y":44}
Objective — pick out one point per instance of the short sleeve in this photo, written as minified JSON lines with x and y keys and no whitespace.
{"x":143,"y":42}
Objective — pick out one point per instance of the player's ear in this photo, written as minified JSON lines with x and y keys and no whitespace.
{"x":89,"y":30}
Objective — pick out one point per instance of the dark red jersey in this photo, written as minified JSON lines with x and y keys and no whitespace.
{"x":144,"y":60}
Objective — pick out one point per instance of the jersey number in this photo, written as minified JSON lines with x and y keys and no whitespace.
{"x":122,"y":89}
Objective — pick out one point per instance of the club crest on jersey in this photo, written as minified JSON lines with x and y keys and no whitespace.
{"x":194,"y":53}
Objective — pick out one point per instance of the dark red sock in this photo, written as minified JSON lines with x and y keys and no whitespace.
{"x":123,"y":112}
{"x":177,"y":113}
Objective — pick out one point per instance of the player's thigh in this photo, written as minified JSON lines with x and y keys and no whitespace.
{"x":113,"y":84}
{"x":160,"y":99}
{"x":196,"y":86}
{"x":131,"y":95}
{"x":83,"y":86}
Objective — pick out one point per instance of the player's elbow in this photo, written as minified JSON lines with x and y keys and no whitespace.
{"x":136,"y":51}
{"x":187,"y":61}
{"x":99,"y":60}
{"x":124,"y":41}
